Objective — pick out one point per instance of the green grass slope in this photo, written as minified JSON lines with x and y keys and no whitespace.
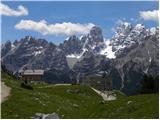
{"x":45,"y":98}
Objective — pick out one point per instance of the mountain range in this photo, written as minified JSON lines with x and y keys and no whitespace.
{"x":132,"y":52}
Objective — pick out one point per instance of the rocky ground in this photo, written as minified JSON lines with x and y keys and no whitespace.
{"x":107,"y":95}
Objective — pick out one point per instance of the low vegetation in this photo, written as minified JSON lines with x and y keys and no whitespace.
{"x":149,"y":84}
{"x":74,"y":101}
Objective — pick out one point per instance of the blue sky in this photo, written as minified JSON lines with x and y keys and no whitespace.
{"x":103,"y":14}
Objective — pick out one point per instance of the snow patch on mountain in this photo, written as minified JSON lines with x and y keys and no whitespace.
{"x":40,"y":47}
{"x":78,"y":56}
{"x":153,"y":31}
{"x":29,"y":38}
{"x":107,"y":51}
{"x":139,"y":27}
{"x":37,"y":53}
{"x":74,"y":56}
{"x":13,"y":47}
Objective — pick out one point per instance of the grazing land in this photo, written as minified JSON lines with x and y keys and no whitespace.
{"x":73,"y":101}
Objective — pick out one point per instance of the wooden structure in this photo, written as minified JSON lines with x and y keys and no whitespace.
{"x":31,"y":75}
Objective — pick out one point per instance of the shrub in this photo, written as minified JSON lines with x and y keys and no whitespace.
{"x":26,"y":86}
{"x":149,"y":84}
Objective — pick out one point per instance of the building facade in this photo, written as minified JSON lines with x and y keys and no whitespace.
{"x":32,"y":75}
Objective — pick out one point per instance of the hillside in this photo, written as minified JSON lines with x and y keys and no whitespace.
{"x":73,"y":101}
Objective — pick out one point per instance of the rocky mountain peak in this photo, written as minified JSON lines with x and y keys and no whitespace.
{"x":71,"y":40}
{"x":139,"y":27}
{"x":74,"y":46}
{"x":95,"y":34}
{"x":71,"y":45}
{"x":123,"y":27}
{"x":154,"y":30}
{"x":127,"y":37}
{"x":6,"y":48}
{"x":73,"y":37}
{"x":28,"y":38}
{"x":95,"y":31}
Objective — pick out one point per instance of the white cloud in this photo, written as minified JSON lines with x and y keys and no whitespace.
{"x":150,"y":15}
{"x":7,"y":11}
{"x":65,"y":28}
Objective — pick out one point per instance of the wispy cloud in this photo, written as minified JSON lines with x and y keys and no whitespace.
{"x":150,"y":15}
{"x":65,"y":28}
{"x":7,"y":11}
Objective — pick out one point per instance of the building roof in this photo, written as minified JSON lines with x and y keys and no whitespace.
{"x":32,"y":72}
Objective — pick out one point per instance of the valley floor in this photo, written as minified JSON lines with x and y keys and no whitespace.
{"x":74,"y":101}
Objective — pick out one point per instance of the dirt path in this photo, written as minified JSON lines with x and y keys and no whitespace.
{"x":5,"y":91}
{"x":48,"y":86}
{"x":62,"y":84}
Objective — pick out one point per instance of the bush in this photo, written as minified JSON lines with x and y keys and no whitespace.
{"x":26,"y":86}
{"x":149,"y":84}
